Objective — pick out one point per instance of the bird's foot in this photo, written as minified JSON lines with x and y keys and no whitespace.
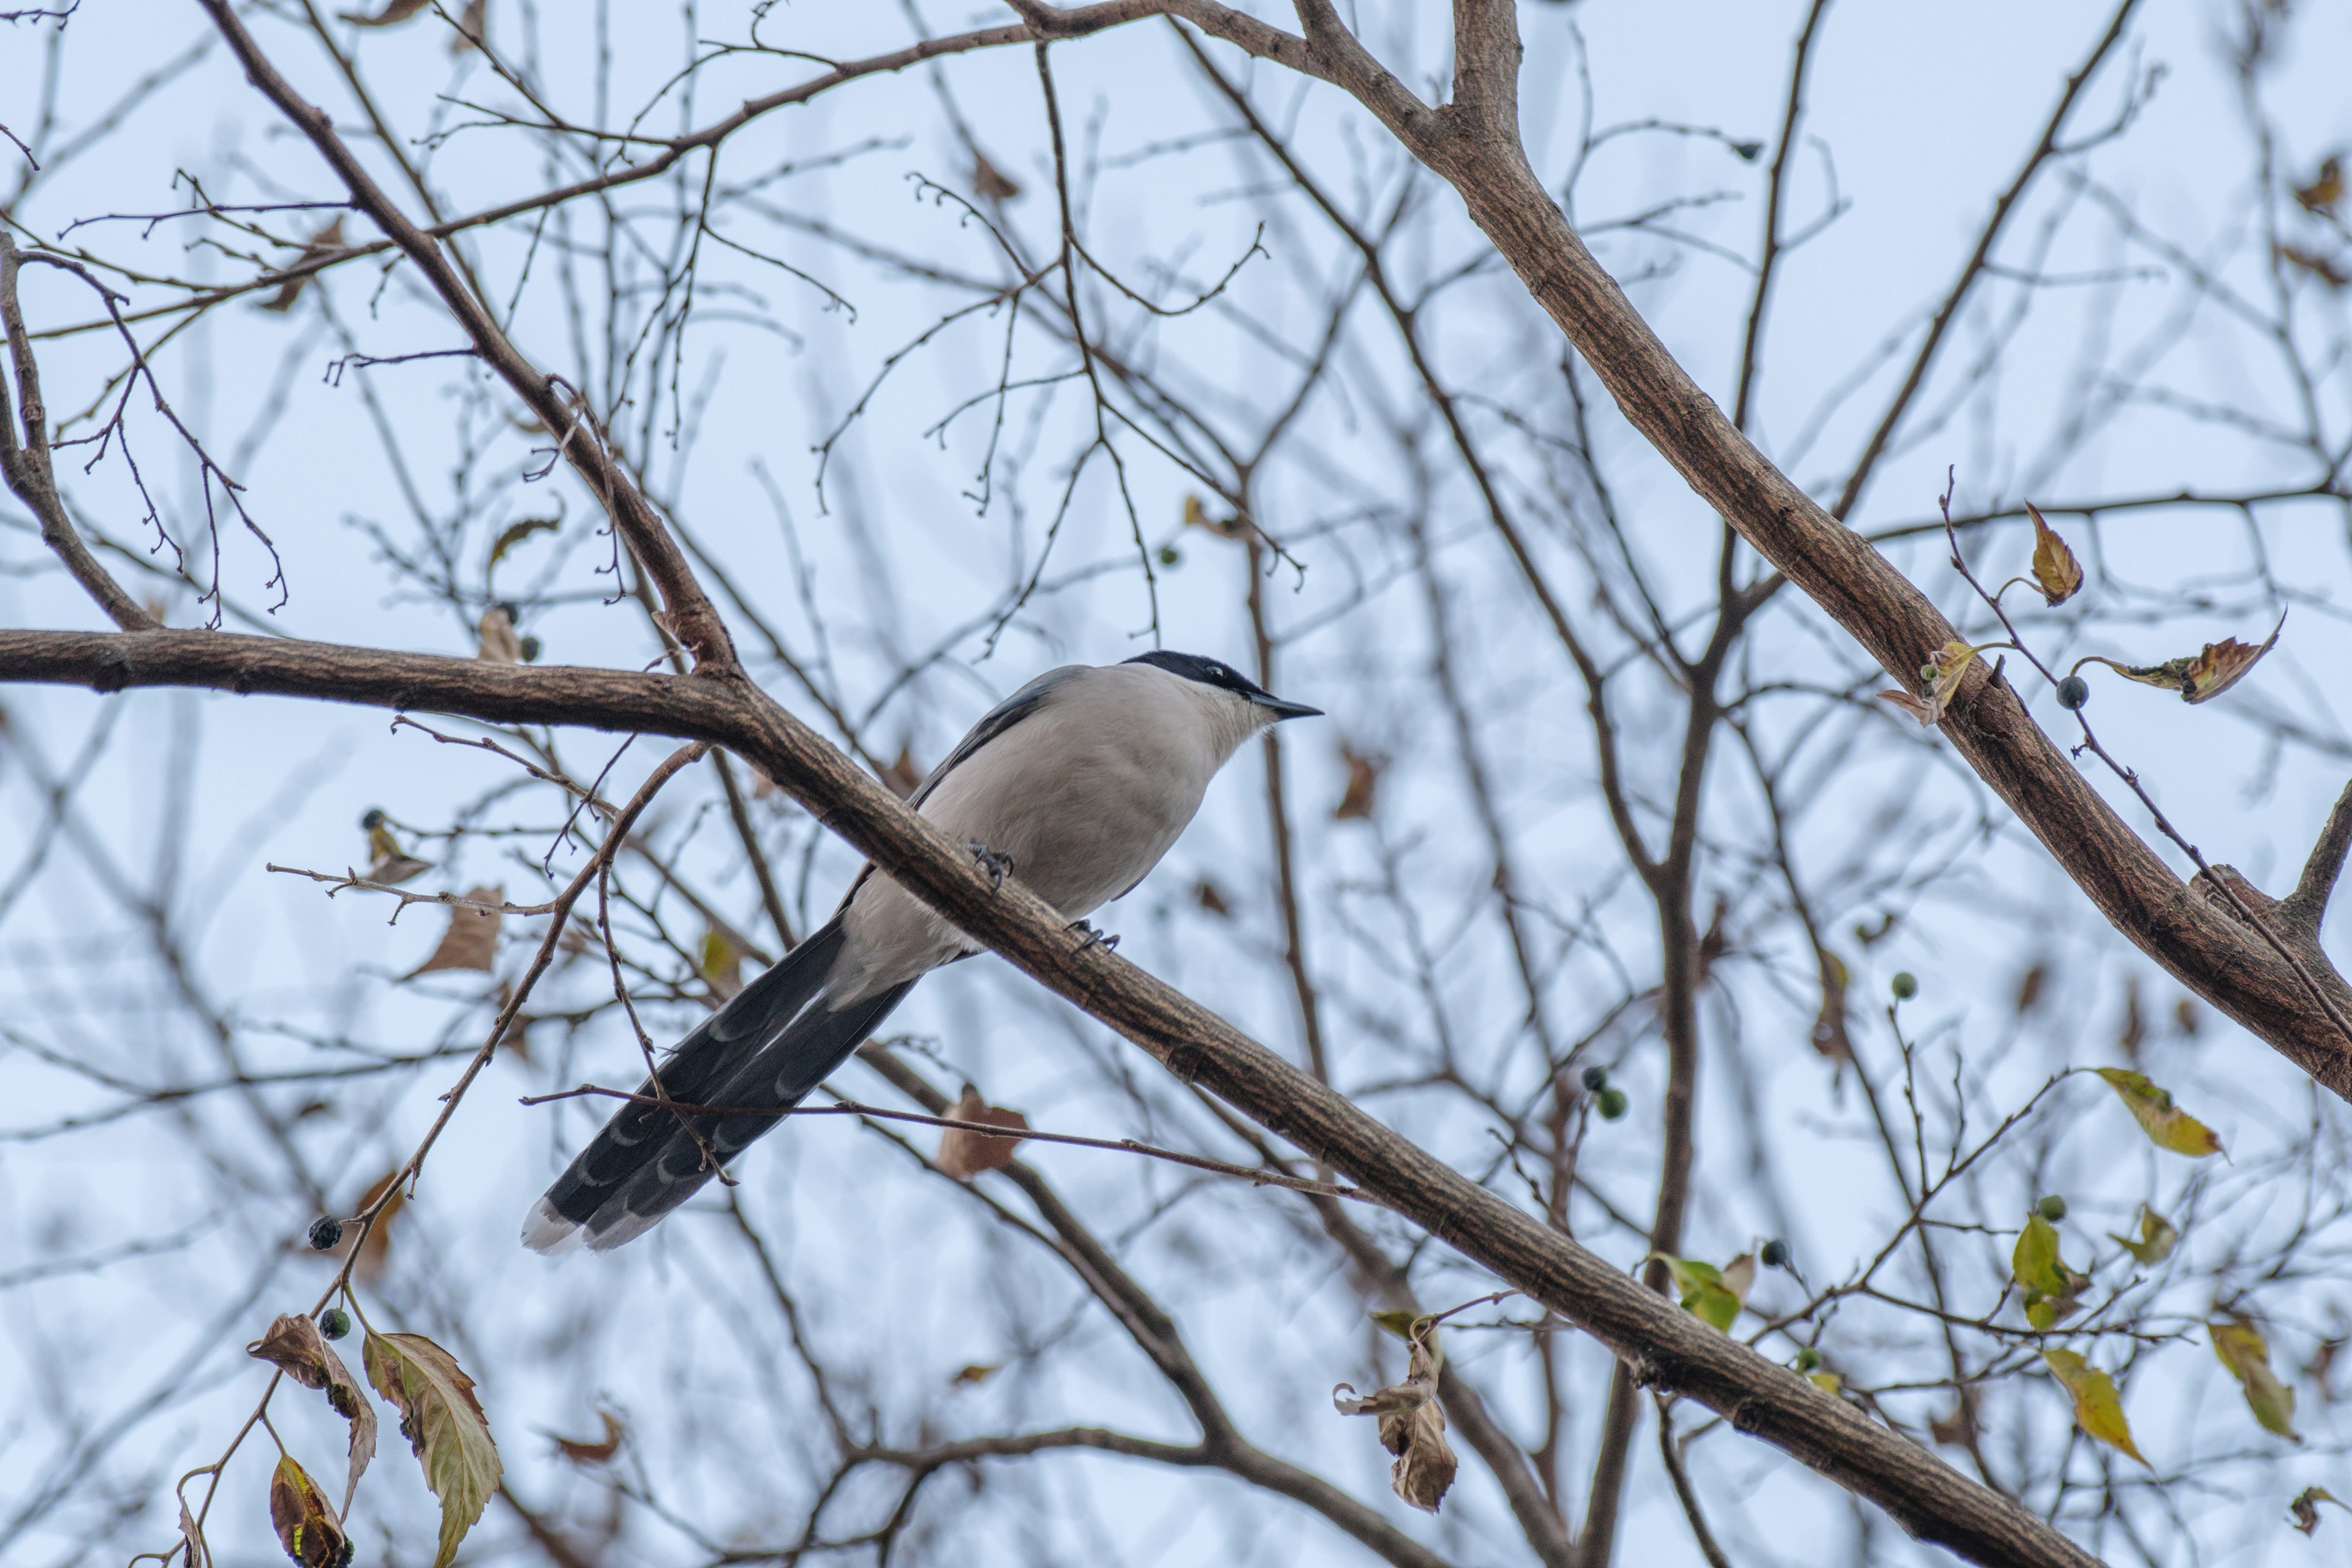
{"x":997,"y":866}
{"x":1109,"y":942}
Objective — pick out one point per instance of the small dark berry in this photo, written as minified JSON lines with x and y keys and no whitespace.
{"x":1775,"y":1254}
{"x":325,"y":1232}
{"x":1809,"y":1360}
{"x":1171,"y":556}
{"x":374,"y":819}
{"x":1747,"y":152}
{"x":2052,"y":1208}
{"x":530,"y":649}
{"x":1905,"y":985}
{"x":335,"y":1323}
{"x":1596,"y":1078}
{"x":1611,"y":1104}
{"x":2074,"y":691}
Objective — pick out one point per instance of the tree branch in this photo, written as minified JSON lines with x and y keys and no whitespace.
{"x":2305,"y":907}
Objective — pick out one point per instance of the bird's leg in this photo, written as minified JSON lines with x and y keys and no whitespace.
{"x":997,"y":866}
{"x":1109,"y":943}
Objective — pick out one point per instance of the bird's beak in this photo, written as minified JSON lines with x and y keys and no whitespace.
{"x":1282,"y":709}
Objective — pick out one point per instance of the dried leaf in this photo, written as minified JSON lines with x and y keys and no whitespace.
{"x":443,"y":1423}
{"x":394,"y":12}
{"x":295,"y":1345}
{"x":1942,"y":675}
{"x":2029,"y":988}
{"x":325,"y":242}
{"x":2326,"y":188}
{"x":1830,"y":1037}
{"x":1364,"y":785}
{"x":1210,"y":898}
{"x":307,"y":1527}
{"x":2133,"y":1032}
{"x":2098,"y":1409}
{"x":965,"y":1154}
{"x":2051,"y":1289}
{"x":2305,"y":1509}
{"x":376,"y":1249}
{"x":1712,"y":1294}
{"x":989,"y":183}
{"x":976,"y":1373}
{"x":904,"y":774}
{"x":497,"y":642}
{"x":2244,"y":1351}
{"x":2166,"y":1124}
{"x":2320,"y":267}
{"x":581,"y":1452}
{"x":720,"y":963}
{"x":1957,"y":1427}
{"x":1413,"y":1427}
{"x":1924,"y":713}
{"x":470,"y":23}
{"x":2218,"y":667}
{"x":192,"y":1535}
{"x":471,"y":941}
{"x":2055,"y":571}
{"x":2158,"y":1237}
{"x":2188,"y":1017}
{"x":515,"y":532}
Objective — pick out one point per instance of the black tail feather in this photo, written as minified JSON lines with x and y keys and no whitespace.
{"x":769,"y":1045}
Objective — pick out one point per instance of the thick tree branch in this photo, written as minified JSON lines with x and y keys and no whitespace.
{"x":1669,"y":1348}
{"x":2305,"y":907}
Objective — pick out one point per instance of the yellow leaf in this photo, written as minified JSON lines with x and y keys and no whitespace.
{"x":2244,"y":1351}
{"x":1827,"y":1382}
{"x":1706,"y":1295}
{"x":2097,"y":1410}
{"x":2166,"y":1124}
{"x":2158,"y":1237}
{"x":443,"y":1423}
{"x":307,"y":1526}
{"x":2055,"y":571}
{"x":1403,"y":1324}
{"x":2051,"y":1288}
{"x":720,"y":962}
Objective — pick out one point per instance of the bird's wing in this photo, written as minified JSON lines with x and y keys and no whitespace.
{"x":993,"y":724}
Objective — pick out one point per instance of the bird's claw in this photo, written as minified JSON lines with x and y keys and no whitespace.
{"x":998,"y":866}
{"x":1109,"y":942}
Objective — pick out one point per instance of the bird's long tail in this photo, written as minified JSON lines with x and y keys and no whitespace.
{"x":764,"y":1050}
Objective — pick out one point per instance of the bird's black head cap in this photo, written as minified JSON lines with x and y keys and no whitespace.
{"x":1207,"y":671}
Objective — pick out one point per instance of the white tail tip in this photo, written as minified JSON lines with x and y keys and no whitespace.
{"x":548,"y":1232}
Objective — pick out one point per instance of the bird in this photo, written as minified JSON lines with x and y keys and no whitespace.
{"x":1076,"y":784}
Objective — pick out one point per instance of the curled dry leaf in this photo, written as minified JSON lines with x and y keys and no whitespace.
{"x":307,"y":1527}
{"x":2052,"y":1290}
{"x":515,"y":532}
{"x":2158,"y":1237}
{"x":1413,"y":1426}
{"x":2305,"y":1509}
{"x":2242,"y":1349}
{"x":2055,"y":571}
{"x":2166,"y":1125}
{"x":471,"y":23}
{"x":2320,"y":267}
{"x":581,"y":1452}
{"x":295,"y":1345}
{"x":443,"y":1423}
{"x":1942,"y":675}
{"x":394,"y":12}
{"x":2202,"y":679}
{"x":1364,"y":785}
{"x":497,"y":642}
{"x":192,"y":1536}
{"x":2097,"y":1408}
{"x":471,"y":941}
{"x":964,"y":1154}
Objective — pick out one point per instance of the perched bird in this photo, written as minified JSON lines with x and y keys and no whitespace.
{"x":388,"y":863}
{"x":1078,"y":782}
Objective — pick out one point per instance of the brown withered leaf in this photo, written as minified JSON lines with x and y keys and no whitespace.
{"x":2203,"y":677}
{"x":977,"y":1371}
{"x":295,"y":1345}
{"x":497,"y":642}
{"x":1364,"y":785}
{"x":2188,"y":1017}
{"x":2055,"y":571}
{"x":904,"y":775}
{"x":2133,"y":1032}
{"x":326,"y":241}
{"x":2326,"y":188}
{"x":1210,"y":897}
{"x":1829,"y":1036}
{"x":2320,"y":267}
{"x":307,"y":1526}
{"x":581,"y":1452}
{"x":471,"y":941}
{"x":372,"y":1255}
{"x":2305,"y":1509}
{"x":515,"y":532}
{"x":470,"y":23}
{"x":989,"y":183}
{"x":394,"y":12}
{"x":1957,"y":1427}
{"x":2029,"y":988}
{"x":192,"y":1535}
{"x":964,"y":1154}
{"x":1413,"y":1427}
{"x":443,"y":1423}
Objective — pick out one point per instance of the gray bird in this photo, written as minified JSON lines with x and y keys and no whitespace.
{"x":1078,"y":782}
